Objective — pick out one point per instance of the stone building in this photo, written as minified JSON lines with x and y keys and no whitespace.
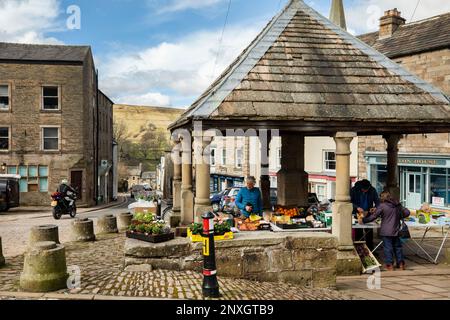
{"x":423,"y":48}
{"x":54,"y":122}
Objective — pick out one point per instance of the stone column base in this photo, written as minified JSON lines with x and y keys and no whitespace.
{"x":447,"y":255}
{"x":199,"y":210}
{"x":175,"y":221}
{"x":187,"y":206}
{"x":348,"y":263}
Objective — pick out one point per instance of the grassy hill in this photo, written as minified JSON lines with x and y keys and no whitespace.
{"x":134,"y":118}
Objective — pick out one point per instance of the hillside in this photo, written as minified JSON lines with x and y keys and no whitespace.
{"x":136,"y":117}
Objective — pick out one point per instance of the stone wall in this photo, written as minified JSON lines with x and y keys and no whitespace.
{"x":433,"y":67}
{"x":307,"y":259}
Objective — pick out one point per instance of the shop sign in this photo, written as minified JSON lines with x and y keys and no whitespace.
{"x":416,"y":161}
{"x":436,"y":201}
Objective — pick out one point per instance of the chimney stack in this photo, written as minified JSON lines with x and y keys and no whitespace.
{"x":337,"y":14}
{"x":390,"y":22}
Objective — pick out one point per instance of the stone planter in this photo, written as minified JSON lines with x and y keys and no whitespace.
{"x":124,"y":220}
{"x":83,"y":230}
{"x":2,"y":259}
{"x":44,"y":268}
{"x":44,"y":233}
{"x":107,"y":224}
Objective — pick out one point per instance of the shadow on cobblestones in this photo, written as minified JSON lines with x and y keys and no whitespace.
{"x":101,"y":261}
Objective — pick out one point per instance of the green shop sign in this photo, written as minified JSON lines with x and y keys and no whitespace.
{"x":415,"y":161}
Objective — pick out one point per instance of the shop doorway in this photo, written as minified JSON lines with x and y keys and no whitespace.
{"x":76,"y":181}
{"x":414,"y":182}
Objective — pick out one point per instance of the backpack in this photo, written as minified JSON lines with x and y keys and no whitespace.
{"x":403,"y":231}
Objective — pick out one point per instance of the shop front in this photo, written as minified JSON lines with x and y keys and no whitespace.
{"x":220,"y":182}
{"x":423,"y":178}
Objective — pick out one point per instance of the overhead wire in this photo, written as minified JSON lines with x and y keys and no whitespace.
{"x":221,"y":39}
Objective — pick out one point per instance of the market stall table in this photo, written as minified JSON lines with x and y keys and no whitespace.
{"x":275,"y":228}
{"x":420,"y":244}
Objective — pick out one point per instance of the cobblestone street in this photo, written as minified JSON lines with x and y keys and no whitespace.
{"x":101,"y":273}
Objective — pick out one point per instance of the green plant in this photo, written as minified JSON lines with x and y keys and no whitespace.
{"x":221,"y":228}
{"x":196,"y":228}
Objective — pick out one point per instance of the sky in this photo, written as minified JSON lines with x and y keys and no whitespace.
{"x":167,"y":52}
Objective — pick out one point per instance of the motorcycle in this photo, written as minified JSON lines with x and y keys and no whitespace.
{"x":62,"y":207}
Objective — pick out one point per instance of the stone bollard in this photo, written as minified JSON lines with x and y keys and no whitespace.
{"x":44,"y":268}
{"x":2,"y":258}
{"x":447,"y":255}
{"x":44,"y":233}
{"x":107,"y":224}
{"x":125,"y":220}
{"x":83,"y":230}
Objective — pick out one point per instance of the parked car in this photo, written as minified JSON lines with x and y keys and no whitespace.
{"x":9,"y":192}
{"x":216,"y":199}
{"x":136,"y":189}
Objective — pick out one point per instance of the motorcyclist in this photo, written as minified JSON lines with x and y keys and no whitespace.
{"x":69,"y":193}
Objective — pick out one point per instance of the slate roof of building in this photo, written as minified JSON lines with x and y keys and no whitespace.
{"x":413,"y":38}
{"x":303,"y":67}
{"x":36,"y":52}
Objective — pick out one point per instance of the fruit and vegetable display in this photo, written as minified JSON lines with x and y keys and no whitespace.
{"x":298,"y":218}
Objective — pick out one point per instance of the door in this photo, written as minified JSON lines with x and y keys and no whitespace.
{"x":414,"y":190}
{"x":76,"y":181}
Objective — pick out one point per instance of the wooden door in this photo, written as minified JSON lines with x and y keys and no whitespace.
{"x":76,"y":181}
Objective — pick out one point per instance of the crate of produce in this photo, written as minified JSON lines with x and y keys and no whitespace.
{"x":368,"y":260}
{"x":293,"y":226}
{"x":153,"y":238}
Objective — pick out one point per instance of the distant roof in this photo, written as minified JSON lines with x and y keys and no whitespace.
{"x":412,"y":38}
{"x":130,"y":107}
{"x":36,"y":52}
{"x":304,"y":68}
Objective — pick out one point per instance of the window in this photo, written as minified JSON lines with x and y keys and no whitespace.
{"x":320,"y":190}
{"x":213,"y":157}
{"x":50,"y":98}
{"x":50,"y":139}
{"x":4,"y":97}
{"x":278,"y":157}
{"x":239,"y":156}
{"x":4,"y":139}
{"x":329,"y":160}
{"x":224,"y":157}
{"x":33,"y":178}
{"x":439,"y":187}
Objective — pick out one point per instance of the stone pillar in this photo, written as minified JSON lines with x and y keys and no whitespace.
{"x":2,"y":258}
{"x":202,"y":176}
{"x":292,"y":178}
{"x":392,"y":184}
{"x":107,"y":224}
{"x":176,"y":158}
{"x":348,"y":262}
{"x":187,"y":196}
{"x":44,"y":233}
{"x":44,"y":268}
{"x":83,"y":230}
{"x":264,"y":181}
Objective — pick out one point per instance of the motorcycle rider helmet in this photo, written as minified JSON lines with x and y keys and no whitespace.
{"x":64,"y":181}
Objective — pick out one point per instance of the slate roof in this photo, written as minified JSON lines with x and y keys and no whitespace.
{"x":303,"y":67}
{"x":413,"y":38}
{"x":47,"y":53}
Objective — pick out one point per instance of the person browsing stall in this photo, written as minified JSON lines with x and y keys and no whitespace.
{"x":249,"y":199}
{"x":391,"y":213}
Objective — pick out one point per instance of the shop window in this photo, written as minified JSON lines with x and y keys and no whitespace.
{"x":329,"y":160}
{"x":321,"y":192}
{"x":33,"y":178}
{"x":50,"y":139}
{"x":278,"y":157}
{"x":379,"y":177}
{"x":4,"y":139}
{"x":438,"y":189}
{"x":50,"y":98}
{"x":4,"y":97}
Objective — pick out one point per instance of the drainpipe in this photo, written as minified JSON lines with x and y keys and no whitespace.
{"x":96,"y":177}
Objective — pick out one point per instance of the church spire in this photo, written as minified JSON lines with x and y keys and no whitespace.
{"x":337,"y":14}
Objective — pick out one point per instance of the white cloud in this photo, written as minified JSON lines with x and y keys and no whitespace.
{"x":180,"y":5}
{"x":147,"y":99}
{"x":363,"y":16}
{"x":185,"y":67}
{"x":26,"y":21}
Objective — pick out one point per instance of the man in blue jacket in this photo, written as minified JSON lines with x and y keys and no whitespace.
{"x":249,"y":199}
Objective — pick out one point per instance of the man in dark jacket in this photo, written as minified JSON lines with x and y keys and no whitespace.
{"x":364,"y":198}
{"x":391,"y":213}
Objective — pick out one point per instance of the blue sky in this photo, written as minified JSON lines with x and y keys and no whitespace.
{"x":166,"y":52}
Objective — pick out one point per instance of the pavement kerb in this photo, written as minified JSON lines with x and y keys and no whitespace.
{"x":64,"y":296}
{"x":426,"y":272}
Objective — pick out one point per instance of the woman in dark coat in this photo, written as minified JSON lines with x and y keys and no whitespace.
{"x":391,"y":213}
